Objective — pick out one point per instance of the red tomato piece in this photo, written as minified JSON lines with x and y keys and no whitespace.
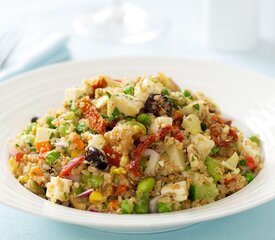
{"x":113,"y":157}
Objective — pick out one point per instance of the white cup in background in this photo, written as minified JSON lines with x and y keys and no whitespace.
{"x":230,"y":25}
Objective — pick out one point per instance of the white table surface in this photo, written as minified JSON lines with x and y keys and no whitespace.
{"x":184,"y":39}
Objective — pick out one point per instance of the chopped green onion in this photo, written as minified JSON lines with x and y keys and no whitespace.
{"x":49,"y":122}
{"x":255,"y":139}
{"x":130,"y":90}
{"x":81,"y":127}
{"x":116,"y":113}
{"x":51,"y":157}
{"x":165,"y":91}
{"x":196,"y":106}
{"x":249,"y":177}
{"x":144,"y":119}
{"x":63,"y":130}
{"x":78,"y":190}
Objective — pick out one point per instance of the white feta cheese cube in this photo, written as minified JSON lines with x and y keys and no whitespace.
{"x":73,"y":94}
{"x":97,"y":141}
{"x":58,"y":189}
{"x":179,"y":190}
{"x":43,"y":134}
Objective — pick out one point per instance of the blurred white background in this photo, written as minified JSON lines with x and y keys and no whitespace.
{"x":39,"y":18}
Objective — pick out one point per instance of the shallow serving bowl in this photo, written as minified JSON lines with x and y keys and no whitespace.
{"x":246,"y":97}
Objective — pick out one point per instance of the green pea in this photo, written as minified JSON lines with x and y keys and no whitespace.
{"x":146,"y":184}
{"x":164,"y":207}
{"x":249,"y":177}
{"x":165,"y":91}
{"x":126,"y":206}
{"x":51,"y":157}
{"x":186,"y":93}
{"x":196,"y":106}
{"x":130,"y":90}
{"x":144,"y":119}
{"x":242,"y":162}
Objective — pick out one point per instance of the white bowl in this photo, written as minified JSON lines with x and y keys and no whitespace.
{"x":244,"y":96}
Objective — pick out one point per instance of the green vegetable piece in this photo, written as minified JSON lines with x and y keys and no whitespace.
{"x":242,"y":162}
{"x":164,"y":207}
{"x":138,"y":124}
{"x":143,"y":162}
{"x":62,"y":129}
{"x":186,"y":93}
{"x":146,"y":184}
{"x":108,"y":94}
{"x":69,"y":116}
{"x":28,"y":128}
{"x":144,"y":119}
{"x":255,"y":139}
{"x":249,"y":177}
{"x":126,"y":207}
{"x":29,"y":139}
{"x":215,"y":150}
{"x":196,"y":106}
{"x":51,"y":157}
{"x":130,"y":90}
{"x":37,"y":188}
{"x":81,"y":127}
{"x":49,"y":122}
{"x":142,"y":202}
{"x":213,"y":168}
{"x":165,"y":91}
{"x":92,"y":181}
{"x":203,"y":192}
{"x":78,"y":190}
{"x":116,"y":113}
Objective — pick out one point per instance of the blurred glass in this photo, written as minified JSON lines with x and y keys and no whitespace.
{"x":121,"y":22}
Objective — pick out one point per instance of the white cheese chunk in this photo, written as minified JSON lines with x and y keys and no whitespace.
{"x":58,"y":189}
{"x":179,"y":190}
{"x":232,"y":163}
{"x":160,"y":122}
{"x":43,"y":134}
{"x":97,"y":141}
{"x":192,"y":124}
{"x":203,"y":145}
{"x":73,"y":94}
{"x":176,"y":155}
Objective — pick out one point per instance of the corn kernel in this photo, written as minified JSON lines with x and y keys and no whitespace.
{"x":13,"y":165}
{"x":95,"y":197}
{"x":23,"y":179}
{"x":118,"y":171}
{"x":124,"y":161}
{"x":74,"y":153}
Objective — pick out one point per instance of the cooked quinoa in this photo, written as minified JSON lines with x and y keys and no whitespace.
{"x":134,"y":146}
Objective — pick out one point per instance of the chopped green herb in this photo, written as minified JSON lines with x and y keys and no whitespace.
{"x":116,"y":113}
{"x":128,"y":118}
{"x":215,"y":150}
{"x":165,"y":91}
{"x":130,"y":90}
{"x":196,"y":106}
{"x":255,"y":139}
{"x":186,"y":93}
{"x":78,"y":190}
{"x":108,"y":94}
{"x":243,"y":162}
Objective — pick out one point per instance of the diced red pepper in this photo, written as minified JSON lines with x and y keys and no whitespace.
{"x":97,"y":122}
{"x":250,"y":163}
{"x":43,"y":146}
{"x":113,"y":157}
{"x":67,"y":169}
{"x":18,"y":156}
{"x":134,"y":165}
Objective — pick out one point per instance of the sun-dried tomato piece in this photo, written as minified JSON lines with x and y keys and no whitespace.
{"x":142,"y":146}
{"x":177,"y":134}
{"x":222,"y":140}
{"x":229,"y":180}
{"x":97,"y":122}
{"x":113,"y":157}
{"x":250,"y":163}
{"x":67,"y":169}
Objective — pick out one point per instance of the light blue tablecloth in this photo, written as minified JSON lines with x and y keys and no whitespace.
{"x":255,"y":224}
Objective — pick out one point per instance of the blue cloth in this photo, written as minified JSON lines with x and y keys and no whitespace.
{"x":50,"y":50}
{"x":255,"y":224}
